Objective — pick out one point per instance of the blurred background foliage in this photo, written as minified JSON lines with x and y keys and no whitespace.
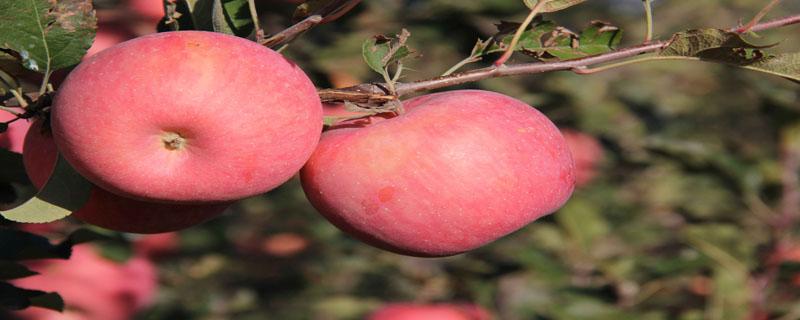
{"x":691,"y":214}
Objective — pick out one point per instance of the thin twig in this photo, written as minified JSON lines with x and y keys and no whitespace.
{"x":760,"y":15}
{"x":584,"y":70}
{"x":292,"y":32}
{"x":371,"y":91}
{"x":648,"y":10}
{"x":517,"y":35}
{"x":777,"y":23}
{"x":460,"y":64}
{"x":256,"y":24}
{"x":20,"y":99}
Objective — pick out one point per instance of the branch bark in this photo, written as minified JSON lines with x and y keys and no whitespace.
{"x":374,"y":90}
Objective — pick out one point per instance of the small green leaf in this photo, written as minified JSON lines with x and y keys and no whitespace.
{"x":47,"y":35}
{"x":545,"y":40}
{"x":553,"y":5}
{"x":232,"y":17}
{"x":14,"y":298}
{"x":380,"y":52}
{"x":65,"y":192}
{"x":12,"y":270}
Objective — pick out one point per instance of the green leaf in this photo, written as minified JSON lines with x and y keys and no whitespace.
{"x":14,"y":298}
{"x":65,"y":192}
{"x":545,"y":40}
{"x":783,"y":65}
{"x":583,"y":223}
{"x":199,"y":11}
{"x":232,"y":17}
{"x":47,"y":35}
{"x":553,"y":5}
{"x":380,"y":52}
{"x":13,"y":168}
{"x":694,"y":43}
{"x":49,"y":300}
{"x":329,"y":10}
{"x":12,"y":270}
{"x":730,"y":48}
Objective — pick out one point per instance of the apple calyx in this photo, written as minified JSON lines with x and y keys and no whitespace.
{"x":173,"y":141}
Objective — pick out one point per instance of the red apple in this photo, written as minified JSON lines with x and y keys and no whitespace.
{"x":587,"y":153}
{"x":93,"y":288}
{"x":157,"y":245}
{"x":12,"y":139}
{"x":457,"y":170}
{"x":408,"y":311}
{"x":150,"y":10}
{"x":107,"y":36}
{"x":109,"y":210}
{"x":187,"y":117}
{"x":284,"y":244}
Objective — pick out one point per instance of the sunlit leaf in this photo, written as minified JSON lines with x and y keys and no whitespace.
{"x":65,"y":192}
{"x":47,"y":35}
{"x":553,"y":5}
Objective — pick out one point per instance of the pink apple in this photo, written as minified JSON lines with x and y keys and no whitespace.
{"x":93,"y":288}
{"x":151,"y":10}
{"x":12,"y":139}
{"x":107,"y":36}
{"x":106,"y":209}
{"x":587,"y":153}
{"x":409,"y":311}
{"x":456,"y":171}
{"x":157,"y":245}
{"x":187,"y":117}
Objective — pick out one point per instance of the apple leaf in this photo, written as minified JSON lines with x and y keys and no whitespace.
{"x":13,"y":270}
{"x":382,"y":51}
{"x":47,"y":35}
{"x":14,"y":298}
{"x":232,"y":17}
{"x":199,"y":13}
{"x":694,"y":43}
{"x":544,"y":40}
{"x":783,"y":65}
{"x":66,"y":191}
{"x":13,"y":168}
{"x":553,"y":5}
{"x":329,"y":9}
{"x":730,"y":48}
{"x":18,"y":245}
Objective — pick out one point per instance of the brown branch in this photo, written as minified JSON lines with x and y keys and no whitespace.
{"x":367,"y":91}
{"x":292,"y":32}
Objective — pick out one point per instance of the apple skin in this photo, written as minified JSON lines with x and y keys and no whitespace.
{"x":409,"y":311}
{"x":93,"y":288}
{"x":109,"y":210}
{"x":587,"y":153}
{"x":187,"y":117}
{"x":457,"y":170}
{"x":13,"y":139}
